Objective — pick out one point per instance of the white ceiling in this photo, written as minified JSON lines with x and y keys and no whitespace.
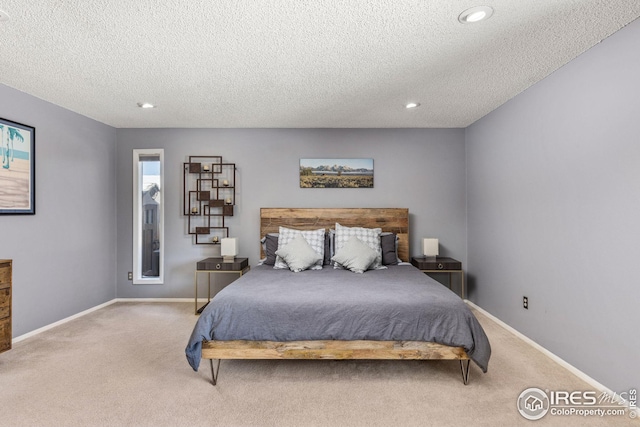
{"x":292,"y":63}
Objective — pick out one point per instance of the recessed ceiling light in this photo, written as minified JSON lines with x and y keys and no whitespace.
{"x":412,"y":105}
{"x":475,"y":14}
{"x":4,"y":16}
{"x":146,"y":105}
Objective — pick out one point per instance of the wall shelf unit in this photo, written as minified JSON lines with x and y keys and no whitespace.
{"x":209,"y":197}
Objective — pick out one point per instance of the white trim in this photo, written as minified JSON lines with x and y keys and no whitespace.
{"x":137,"y":217}
{"x":98,"y":307}
{"x":577,"y":372}
{"x":60,"y":322}
{"x":160,"y":300}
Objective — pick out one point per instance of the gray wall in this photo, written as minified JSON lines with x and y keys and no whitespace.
{"x":64,"y":256}
{"x":420,"y":169}
{"x":553,"y":208}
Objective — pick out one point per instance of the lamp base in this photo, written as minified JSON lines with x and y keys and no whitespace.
{"x":430,"y":258}
{"x":228,"y":258}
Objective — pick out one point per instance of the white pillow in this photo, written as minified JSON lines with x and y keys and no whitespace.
{"x":369,"y":236}
{"x":315,"y":238}
{"x":355,"y":255}
{"x":298,"y":254}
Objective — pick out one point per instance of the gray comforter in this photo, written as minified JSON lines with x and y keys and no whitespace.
{"x":399,"y":303}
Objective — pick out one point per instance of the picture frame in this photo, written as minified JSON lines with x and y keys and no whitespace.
{"x":336,"y":173}
{"x":17,"y":168}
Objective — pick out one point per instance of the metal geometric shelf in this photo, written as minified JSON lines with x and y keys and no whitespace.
{"x":209,"y":197}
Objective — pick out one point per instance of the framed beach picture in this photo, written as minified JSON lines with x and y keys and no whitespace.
{"x":18,"y":168}
{"x":336,"y":173}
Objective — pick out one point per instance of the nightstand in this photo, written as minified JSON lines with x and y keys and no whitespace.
{"x":5,"y":304}
{"x":441,"y":265}
{"x":217,"y":265}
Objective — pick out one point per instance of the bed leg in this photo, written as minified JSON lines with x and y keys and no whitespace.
{"x":464,"y":367}
{"x":214,"y":373}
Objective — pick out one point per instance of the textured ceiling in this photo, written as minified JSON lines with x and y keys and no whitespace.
{"x":292,"y":63}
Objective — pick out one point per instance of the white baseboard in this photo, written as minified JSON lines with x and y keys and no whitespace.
{"x":159,"y":300}
{"x":60,"y":322}
{"x":577,"y":372}
{"x":98,"y":307}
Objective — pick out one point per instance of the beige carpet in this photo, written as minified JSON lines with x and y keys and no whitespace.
{"x":124,"y":365}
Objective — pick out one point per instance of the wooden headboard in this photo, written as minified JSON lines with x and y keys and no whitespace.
{"x":395,"y":220}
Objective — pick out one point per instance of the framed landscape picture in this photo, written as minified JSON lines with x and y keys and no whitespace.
{"x":17,"y":170}
{"x":336,"y":173}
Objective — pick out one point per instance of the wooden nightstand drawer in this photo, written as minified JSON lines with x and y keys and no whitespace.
{"x":5,"y":334}
{"x":5,"y":303}
{"x":5,"y":274}
{"x":216,"y":263}
{"x":441,"y":263}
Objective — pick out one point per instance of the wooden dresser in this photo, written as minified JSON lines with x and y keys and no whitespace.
{"x":5,"y":305}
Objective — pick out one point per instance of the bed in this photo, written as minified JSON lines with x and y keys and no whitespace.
{"x":394,"y":312}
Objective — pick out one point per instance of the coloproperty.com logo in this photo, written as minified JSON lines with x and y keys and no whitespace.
{"x":534,"y":403}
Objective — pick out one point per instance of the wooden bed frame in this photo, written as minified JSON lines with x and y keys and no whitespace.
{"x":395,"y":220}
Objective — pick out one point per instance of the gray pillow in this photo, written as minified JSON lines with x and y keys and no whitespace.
{"x":355,"y":255}
{"x":315,"y":239}
{"x":388,"y":242}
{"x":298,"y":254}
{"x":368,"y":236}
{"x":270,"y":246}
{"x":328,"y":248}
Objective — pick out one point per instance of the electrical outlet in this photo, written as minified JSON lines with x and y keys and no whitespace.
{"x":130,"y":275}
{"x":525,"y":302}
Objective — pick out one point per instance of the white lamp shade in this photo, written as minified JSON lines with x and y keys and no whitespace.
{"x":229,"y":246}
{"x":430,"y":247}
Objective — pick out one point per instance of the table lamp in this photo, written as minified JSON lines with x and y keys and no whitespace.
{"x":229,"y":249}
{"x":430,"y":248}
